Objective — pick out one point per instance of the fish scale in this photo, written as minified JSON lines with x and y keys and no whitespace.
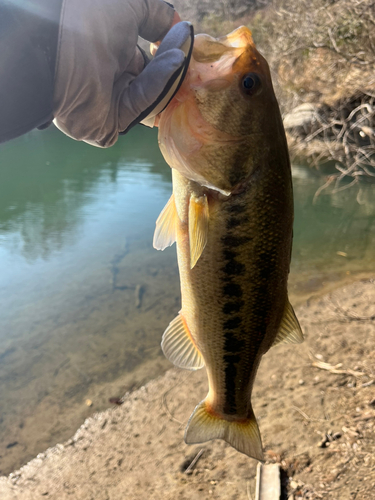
{"x":246,"y":289}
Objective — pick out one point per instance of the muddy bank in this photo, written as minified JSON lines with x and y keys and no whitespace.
{"x":315,"y":405}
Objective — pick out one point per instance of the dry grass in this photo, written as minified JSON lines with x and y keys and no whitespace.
{"x":345,"y":133}
{"x":323,"y":52}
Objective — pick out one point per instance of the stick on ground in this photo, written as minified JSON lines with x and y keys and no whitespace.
{"x":268,"y":485}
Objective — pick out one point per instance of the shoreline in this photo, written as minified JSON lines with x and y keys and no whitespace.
{"x":138,"y":447}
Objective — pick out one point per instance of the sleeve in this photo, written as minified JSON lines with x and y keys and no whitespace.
{"x":98,"y":58}
{"x":156,"y":20}
{"x":28,"y":43}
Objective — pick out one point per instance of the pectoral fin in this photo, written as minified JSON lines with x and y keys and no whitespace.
{"x":290,"y":331}
{"x":165,"y":231}
{"x":198,"y":227}
{"x":179,"y":347}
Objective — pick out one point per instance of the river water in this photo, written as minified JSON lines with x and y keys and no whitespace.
{"x":84,"y":298}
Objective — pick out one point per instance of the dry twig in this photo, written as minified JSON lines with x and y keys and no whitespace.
{"x":189,"y":469}
{"x":336,"y":369}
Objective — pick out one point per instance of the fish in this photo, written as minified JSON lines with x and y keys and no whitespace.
{"x":231,"y":217}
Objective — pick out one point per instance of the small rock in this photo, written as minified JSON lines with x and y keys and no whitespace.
{"x":10,"y":445}
{"x":88,"y":402}
{"x":116,"y":401}
{"x":328,"y":438}
{"x":342,"y":254}
{"x":367,"y":131}
{"x":138,"y":294}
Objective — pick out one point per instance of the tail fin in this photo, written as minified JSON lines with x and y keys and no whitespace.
{"x":244,"y":436}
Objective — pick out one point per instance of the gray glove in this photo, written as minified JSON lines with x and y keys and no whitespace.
{"x":102,"y":86}
{"x":152,"y":90}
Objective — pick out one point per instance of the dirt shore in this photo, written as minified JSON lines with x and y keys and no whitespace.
{"x":315,"y":404}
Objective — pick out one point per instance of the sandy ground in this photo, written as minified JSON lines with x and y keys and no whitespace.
{"x":315,"y":404}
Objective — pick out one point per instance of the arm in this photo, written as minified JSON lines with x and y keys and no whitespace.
{"x":28,"y":42}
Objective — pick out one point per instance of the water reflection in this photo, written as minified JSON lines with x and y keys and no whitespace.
{"x":46,"y":180}
{"x":334,"y":234}
{"x":363,"y":202}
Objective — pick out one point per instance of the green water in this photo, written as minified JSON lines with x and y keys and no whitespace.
{"x":84,"y":298}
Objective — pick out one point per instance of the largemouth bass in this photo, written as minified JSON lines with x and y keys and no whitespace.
{"x":231,"y":215}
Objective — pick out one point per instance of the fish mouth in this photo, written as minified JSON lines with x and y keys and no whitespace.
{"x":240,"y":37}
{"x":207,"y":48}
{"x":239,"y":44}
{"x":217,"y":61}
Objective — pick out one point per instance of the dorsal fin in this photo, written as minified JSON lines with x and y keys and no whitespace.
{"x":198,"y":227}
{"x":290,"y":331}
{"x":179,"y":346}
{"x":165,"y":231}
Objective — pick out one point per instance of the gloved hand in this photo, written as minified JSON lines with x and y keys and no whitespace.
{"x":152,"y":90}
{"x":103,"y":86}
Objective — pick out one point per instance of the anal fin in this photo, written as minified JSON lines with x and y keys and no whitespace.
{"x":243,"y":435}
{"x":179,"y":347}
{"x":290,"y":331}
{"x":165,"y":231}
{"x":198,"y":227}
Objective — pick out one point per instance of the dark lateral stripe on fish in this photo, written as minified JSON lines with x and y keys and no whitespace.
{"x":236,"y":175}
{"x":236,"y":209}
{"x":233,"y":222}
{"x":232,"y":345}
{"x":233,"y":290}
{"x":231,"y":307}
{"x":229,"y":255}
{"x":231,"y":360}
{"x":234,"y":268}
{"x":235,"y":241}
{"x":232,"y":323}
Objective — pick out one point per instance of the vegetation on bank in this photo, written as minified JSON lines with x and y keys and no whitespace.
{"x":322,"y":55}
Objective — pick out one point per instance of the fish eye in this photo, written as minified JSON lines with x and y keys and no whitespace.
{"x":251,"y":84}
